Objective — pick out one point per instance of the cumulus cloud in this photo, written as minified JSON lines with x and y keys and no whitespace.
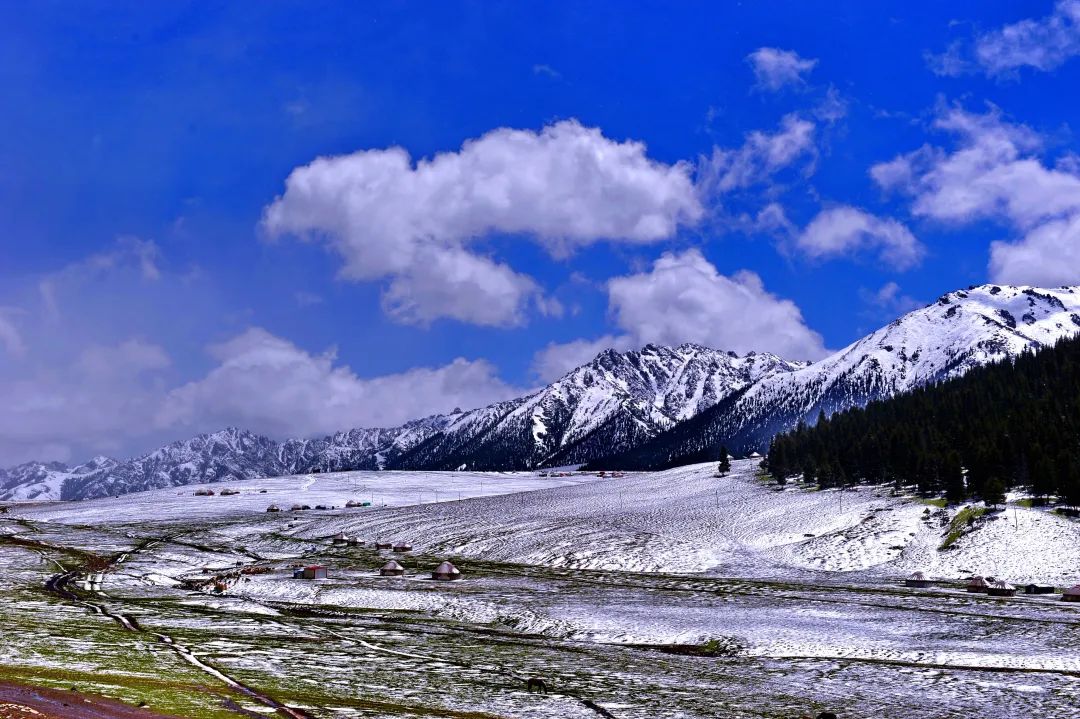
{"x":1048,"y":255}
{"x":106,"y":394}
{"x":683,"y":298}
{"x":268,"y":384}
{"x":995,"y":172}
{"x":566,"y":186}
{"x":844,"y":231}
{"x":761,"y":155}
{"x":458,"y":284}
{"x":775,"y":69}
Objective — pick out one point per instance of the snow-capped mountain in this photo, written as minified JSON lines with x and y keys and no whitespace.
{"x":37,"y":480}
{"x":961,"y":330}
{"x":614,"y":402}
{"x":645,"y":408}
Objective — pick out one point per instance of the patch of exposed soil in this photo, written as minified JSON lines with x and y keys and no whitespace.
{"x":18,"y":701}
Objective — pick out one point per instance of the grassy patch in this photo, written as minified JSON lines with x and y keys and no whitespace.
{"x":938,"y":502}
{"x":960,"y":524}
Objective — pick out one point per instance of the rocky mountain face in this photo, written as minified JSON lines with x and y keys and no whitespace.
{"x":961,"y":330}
{"x":651,"y":407}
{"x":616,"y":401}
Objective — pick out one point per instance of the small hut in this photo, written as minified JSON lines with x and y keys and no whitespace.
{"x":204,"y":492}
{"x":273,"y":508}
{"x":314,"y":571}
{"x":352,"y":504}
{"x":1038,"y":589}
{"x":919,"y":580}
{"x":402,"y":547}
{"x":446,"y":572}
{"x":298,"y":507}
{"x":228,"y":492}
{"x":1001,"y":588}
{"x":383,"y":545}
{"x":392,"y":569}
{"x":977,"y":585}
{"x":1072,"y":594}
{"x":342,"y":538}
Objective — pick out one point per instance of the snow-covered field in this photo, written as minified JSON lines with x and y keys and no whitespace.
{"x":600,"y":586}
{"x":334,"y":489}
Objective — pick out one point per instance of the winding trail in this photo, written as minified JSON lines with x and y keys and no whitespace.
{"x":59,"y":585}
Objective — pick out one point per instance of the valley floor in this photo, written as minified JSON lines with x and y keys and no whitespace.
{"x":670,"y":594}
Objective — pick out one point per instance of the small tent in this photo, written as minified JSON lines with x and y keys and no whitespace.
{"x":977,"y":585}
{"x":392,"y":569}
{"x":446,"y":571}
{"x":1072,"y":594}
{"x":1001,"y":588}
{"x":918,"y":579}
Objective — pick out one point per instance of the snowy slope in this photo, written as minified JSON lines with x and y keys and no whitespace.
{"x":961,"y":330}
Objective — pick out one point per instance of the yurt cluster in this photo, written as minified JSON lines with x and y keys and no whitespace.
{"x":995,"y":587}
{"x":444,"y":571}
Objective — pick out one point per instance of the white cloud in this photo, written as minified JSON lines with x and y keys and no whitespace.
{"x":546,"y":71}
{"x":268,"y":384}
{"x":460,"y":285}
{"x":760,"y":156}
{"x":994,"y":172}
{"x":555,"y":360}
{"x":566,"y":186}
{"x":775,"y":69}
{"x":307,"y":299}
{"x":1048,"y":255}
{"x":844,"y":230}
{"x":10,"y":337}
{"x":130,"y":358}
{"x":889,"y":299}
{"x":683,"y":298}
{"x":106,"y":395}
{"x":1043,"y":44}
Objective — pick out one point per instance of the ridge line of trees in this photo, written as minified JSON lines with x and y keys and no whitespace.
{"x":1001,"y":426}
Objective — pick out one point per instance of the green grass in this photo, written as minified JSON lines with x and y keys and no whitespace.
{"x":959,"y":525}
{"x":938,"y":502}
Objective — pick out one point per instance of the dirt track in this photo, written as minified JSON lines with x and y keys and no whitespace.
{"x":25,"y":702}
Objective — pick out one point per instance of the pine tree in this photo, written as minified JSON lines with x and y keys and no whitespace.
{"x":993,"y":492}
{"x":725,"y":462}
{"x":955,"y":491}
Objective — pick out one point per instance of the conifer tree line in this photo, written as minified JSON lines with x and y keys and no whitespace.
{"x":1011,"y":424}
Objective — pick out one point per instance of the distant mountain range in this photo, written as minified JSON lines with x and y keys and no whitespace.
{"x":651,"y":407}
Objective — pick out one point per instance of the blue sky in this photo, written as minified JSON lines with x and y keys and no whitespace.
{"x":744,"y":176}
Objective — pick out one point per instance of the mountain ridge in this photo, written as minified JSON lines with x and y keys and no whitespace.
{"x":960,"y":330}
{"x":649,"y":407}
